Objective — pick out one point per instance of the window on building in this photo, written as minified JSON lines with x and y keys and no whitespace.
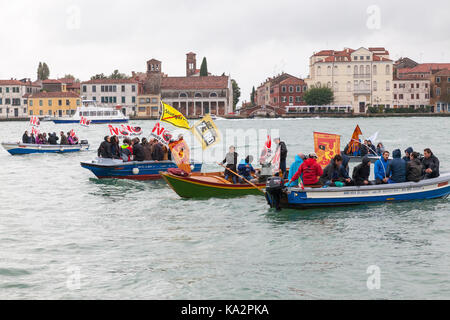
{"x":305,"y":88}
{"x":412,"y":85}
{"x":40,"y":103}
{"x":1,"y":102}
{"x":122,"y":88}
{"x":79,"y":102}
{"x":412,"y":96}
{"x":94,"y":88}
{"x":356,"y":57}
{"x":426,"y":85}
{"x":335,"y":71}
{"x":114,"y":88}
{"x":417,"y":85}
{"x":417,"y":96}
{"x":336,"y":86}
{"x":102,"y":88}
{"x":291,"y":99}
{"x":7,"y":89}
{"x":395,"y":96}
{"x":183,"y":95}
{"x":123,"y":100}
{"x":395,"y":86}
{"x":133,"y":88}
{"x":367,"y":57}
{"x":298,"y":88}
{"x":274,"y":100}
{"x":94,"y":98}
{"x":283,"y":89}
{"x":198,"y":95}
{"x":438,"y":79}
{"x":211,"y":95}
{"x":349,"y":70}
{"x":31,"y":102}
{"x":291,"y":88}
{"x":59,"y":102}
{"x":355,"y":85}
{"x":41,"y":112}
{"x":374,"y":86}
{"x":133,"y":99}
{"x":50,"y":103}
{"x":329,"y":71}
{"x":319,"y":71}
{"x":349,"y":86}
{"x":67,"y":102}
{"x":155,"y":100}
{"x":400,"y":96}
{"x":388,"y":70}
{"x":283,"y":99}
{"x":84,"y":89}
{"x":355,"y":70}
{"x":361,"y":69}
{"x":388,"y":85}
{"x":367,"y":69}
{"x":438,"y":91}
{"x":298,"y":99}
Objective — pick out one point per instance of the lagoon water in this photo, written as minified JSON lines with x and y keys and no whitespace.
{"x":139,"y":240}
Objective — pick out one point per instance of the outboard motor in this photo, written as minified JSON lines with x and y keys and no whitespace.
{"x":84,"y":142}
{"x":274,"y":190}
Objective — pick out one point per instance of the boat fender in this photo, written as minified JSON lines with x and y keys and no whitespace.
{"x":61,"y":149}
{"x":135,"y":170}
{"x":178,"y":172}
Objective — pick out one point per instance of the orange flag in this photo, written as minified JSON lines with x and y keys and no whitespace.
{"x":354,"y":144}
{"x":180,"y":154}
{"x":326,"y":146}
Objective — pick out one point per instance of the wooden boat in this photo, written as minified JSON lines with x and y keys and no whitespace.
{"x":333,"y":196}
{"x":209,"y":185}
{"x":135,"y":170}
{"x":16,"y":148}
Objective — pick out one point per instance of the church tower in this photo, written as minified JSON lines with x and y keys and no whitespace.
{"x":191,"y":64}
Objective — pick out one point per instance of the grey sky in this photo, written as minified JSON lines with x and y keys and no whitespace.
{"x":250,"y":40}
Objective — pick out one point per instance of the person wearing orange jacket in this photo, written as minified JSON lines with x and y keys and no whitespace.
{"x":310,"y":169}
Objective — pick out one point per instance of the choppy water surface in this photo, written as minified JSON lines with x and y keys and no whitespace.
{"x":140,"y":240}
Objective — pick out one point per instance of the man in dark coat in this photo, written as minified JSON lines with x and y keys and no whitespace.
{"x":397,"y":168}
{"x":63,"y":138}
{"x":147,"y":149}
{"x":283,"y":156}
{"x":408,"y":152}
{"x":414,"y":168}
{"x":104,"y":151}
{"x":361,"y":172}
{"x":430,"y":164}
{"x":52,"y":138}
{"x":25,"y":138}
{"x":231,"y":159}
{"x":334,"y":172}
{"x":138,"y":150}
{"x":157,"y":153}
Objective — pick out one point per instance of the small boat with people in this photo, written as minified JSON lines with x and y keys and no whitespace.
{"x":209,"y":185}
{"x":107,"y":168}
{"x":17,"y":148}
{"x":94,"y":113}
{"x":279,"y":196}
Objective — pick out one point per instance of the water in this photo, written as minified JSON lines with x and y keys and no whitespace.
{"x":132,"y":240}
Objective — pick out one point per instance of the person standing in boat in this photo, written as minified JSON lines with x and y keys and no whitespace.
{"x":334,"y":173}
{"x":157,"y":153}
{"x":138,"y":150}
{"x":63,"y":138}
{"x":104,"y":151}
{"x":25,"y":138}
{"x":381,"y":170}
{"x":32,"y":138}
{"x":364,"y":149}
{"x":53,"y":138}
{"x":115,"y":147}
{"x":414,"y":168}
{"x":430,"y":164}
{"x":231,"y":161}
{"x":361,"y":173}
{"x":283,"y":156}
{"x":147,"y":151}
{"x":126,"y":150}
{"x":397,"y":168}
{"x":311,"y":171}
{"x":298,"y":160}
{"x":408,"y":152}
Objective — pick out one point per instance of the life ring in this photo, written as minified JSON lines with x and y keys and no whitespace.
{"x":135,"y":170}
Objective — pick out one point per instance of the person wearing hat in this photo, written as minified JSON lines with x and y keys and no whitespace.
{"x":283,"y":155}
{"x":361,"y":172}
{"x":310,"y":169}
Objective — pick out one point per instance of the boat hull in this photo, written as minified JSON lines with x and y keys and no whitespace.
{"x":326,"y":197}
{"x":97,"y":121}
{"x":21,"y":148}
{"x":134,"y":170}
{"x":193,"y":187}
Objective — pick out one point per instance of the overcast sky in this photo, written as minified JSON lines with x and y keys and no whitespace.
{"x":250,"y":40}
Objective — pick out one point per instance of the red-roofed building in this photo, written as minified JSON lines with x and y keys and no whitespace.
{"x":360,"y":78}
{"x":13,"y":97}
{"x":440,"y":93}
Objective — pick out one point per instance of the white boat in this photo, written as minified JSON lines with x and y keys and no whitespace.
{"x":95,"y":114}
{"x":15,"y":148}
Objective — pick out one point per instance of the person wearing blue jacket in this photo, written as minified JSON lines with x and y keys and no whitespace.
{"x":245,"y":168}
{"x":299,"y":158}
{"x":397,"y":167}
{"x":382,"y":169}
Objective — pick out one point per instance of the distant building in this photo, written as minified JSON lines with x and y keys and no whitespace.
{"x":148,"y":105}
{"x":423,"y":70}
{"x":281,"y":90}
{"x":55,"y":103}
{"x":411,"y":93}
{"x":404,"y":63}
{"x":13,"y":97}
{"x":118,"y":93}
{"x":441,"y":90}
{"x":359,"y":78}
{"x":193,"y":95}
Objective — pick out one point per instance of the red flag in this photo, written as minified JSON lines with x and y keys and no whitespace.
{"x":354,"y":142}
{"x":326,"y":146}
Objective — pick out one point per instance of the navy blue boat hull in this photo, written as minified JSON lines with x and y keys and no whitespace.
{"x":135,"y":170}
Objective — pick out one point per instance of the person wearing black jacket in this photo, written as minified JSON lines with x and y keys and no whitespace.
{"x":25,"y":138}
{"x":157,"y":153}
{"x":361,"y":172}
{"x":52,"y":138}
{"x":115,"y":147}
{"x":104,"y":151}
{"x":335,"y":172}
{"x":283,"y":156}
{"x":414,"y":168}
{"x":364,"y":150}
{"x":430,"y":164}
{"x":138,"y":150}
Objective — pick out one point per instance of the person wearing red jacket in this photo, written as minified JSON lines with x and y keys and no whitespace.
{"x":310,"y":169}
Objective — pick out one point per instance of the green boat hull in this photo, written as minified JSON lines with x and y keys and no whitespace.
{"x":186,"y":188}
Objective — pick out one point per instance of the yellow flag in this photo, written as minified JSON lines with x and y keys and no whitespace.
{"x":206,"y":132}
{"x":173,"y":116}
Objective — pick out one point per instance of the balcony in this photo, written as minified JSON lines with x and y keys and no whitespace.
{"x":361,"y":91}
{"x":361,"y":75}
